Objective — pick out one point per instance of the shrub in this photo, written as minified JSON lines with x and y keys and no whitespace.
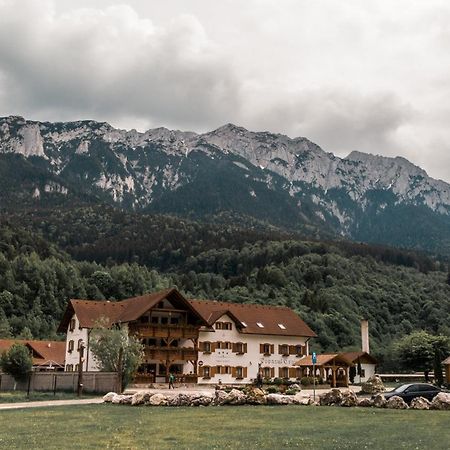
{"x":272,"y":390}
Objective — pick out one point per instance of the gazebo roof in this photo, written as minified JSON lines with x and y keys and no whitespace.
{"x":326,"y":359}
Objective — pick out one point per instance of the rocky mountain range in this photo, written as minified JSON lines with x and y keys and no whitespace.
{"x":290,"y":183}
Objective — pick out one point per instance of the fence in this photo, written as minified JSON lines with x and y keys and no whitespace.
{"x":99,"y":382}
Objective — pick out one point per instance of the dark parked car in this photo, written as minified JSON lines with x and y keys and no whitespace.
{"x":412,"y":390}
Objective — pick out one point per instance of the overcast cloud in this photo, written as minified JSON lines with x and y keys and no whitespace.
{"x":353,"y":75}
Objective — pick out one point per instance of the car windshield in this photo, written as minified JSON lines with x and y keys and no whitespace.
{"x":401,"y":388}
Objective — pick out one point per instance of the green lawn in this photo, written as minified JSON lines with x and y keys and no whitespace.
{"x":21,"y":396}
{"x":242,"y":427}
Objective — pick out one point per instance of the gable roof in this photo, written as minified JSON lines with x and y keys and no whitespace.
{"x":446,"y":361}
{"x":363,"y":356}
{"x":88,"y":312}
{"x":249,"y":315}
{"x":43,"y":352}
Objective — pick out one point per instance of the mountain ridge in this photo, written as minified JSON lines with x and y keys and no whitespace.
{"x":287,"y":181}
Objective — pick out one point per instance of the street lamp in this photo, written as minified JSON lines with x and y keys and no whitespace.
{"x":80,"y":368}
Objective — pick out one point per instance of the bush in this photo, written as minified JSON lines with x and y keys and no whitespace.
{"x":272,"y":390}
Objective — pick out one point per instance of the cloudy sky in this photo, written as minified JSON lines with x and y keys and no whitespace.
{"x":350,"y":75}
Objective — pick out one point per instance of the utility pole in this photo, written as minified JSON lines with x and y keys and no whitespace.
{"x":119,"y":371}
{"x":80,"y":370}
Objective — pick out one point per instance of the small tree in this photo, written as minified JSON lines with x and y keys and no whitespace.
{"x":17,"y":362}
{"x":437,"y":367}
{"x":110,"y":345}
{"x":416,"y":351}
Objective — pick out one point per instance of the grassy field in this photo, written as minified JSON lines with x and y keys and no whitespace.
{"x":20,"y":396}
{"x":245,"y":427}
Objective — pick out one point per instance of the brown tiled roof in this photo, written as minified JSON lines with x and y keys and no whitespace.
{"x":50,"y":351}
{"x":89,"y":312}
{"x":353,"y":357}
{"x":249,"y":315}
{"x":44,"y":352}
{"x":323,"y":359}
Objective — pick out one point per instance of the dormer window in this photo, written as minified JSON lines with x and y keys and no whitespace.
{"x":244,"y":324}
{"x":260,"y":325}
{"x":281,"y":326}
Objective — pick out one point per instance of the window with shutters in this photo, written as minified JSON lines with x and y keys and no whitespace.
{"x":206,"y":372}
{"x":72,"y":324}
{"x":239,"y":372}
{"x":71,"y":346}
{"x":267,"y":372}
{"x":266,"y":349}
{"x":283,"y":349}
{"x":206,"y":347}
{"x":224,"y":326}
{"x":300,"y":350}
{"x":283,"y":372}
{"x":240,"y":348}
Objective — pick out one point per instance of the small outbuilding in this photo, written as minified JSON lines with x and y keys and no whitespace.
{"x":446,"y":364}
{"x":364,"y":365}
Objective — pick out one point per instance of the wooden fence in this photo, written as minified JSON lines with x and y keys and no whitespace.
{"x":99,"y":382}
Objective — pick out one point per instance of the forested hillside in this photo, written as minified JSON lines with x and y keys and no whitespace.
{"x":47,"y":258}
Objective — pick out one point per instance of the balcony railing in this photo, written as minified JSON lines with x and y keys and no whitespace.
{"x":165,"y":331}
{"x":171,"y":353}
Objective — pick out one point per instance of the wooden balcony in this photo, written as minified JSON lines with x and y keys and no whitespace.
{"x":164,"y":331}
{"x":171,"y":353}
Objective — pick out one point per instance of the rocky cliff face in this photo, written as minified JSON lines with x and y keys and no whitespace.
{"x":269,"y":176}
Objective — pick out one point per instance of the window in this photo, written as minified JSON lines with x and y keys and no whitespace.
{"x":244,"y":324}
{"x":240,"y":348}
{"x":174,"y":320}
{"x":239,"y":372}
{"x":80,"y":342}
{"x":77,"y":367}
{"x":206,"y":372}
{"x":69,"y":368}
{"x":268,"y":372}
{"x":154,"y":320}
{"x":283,"y":349}
{"x":71,"y":345}
{"x":72,"y":324}
{"x":281,"y":326}
{"x":266,"y":349}
{"x":260,"y":325}
{"x":227,"y":370}
{"x":164,"y":320}
{"x":284,"y":372}
{"x":300,"y":349}
{"x":206,"y":347}
{"x":224,"y":326}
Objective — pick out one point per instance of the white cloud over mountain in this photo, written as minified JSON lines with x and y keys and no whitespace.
{"x":367,"y":76}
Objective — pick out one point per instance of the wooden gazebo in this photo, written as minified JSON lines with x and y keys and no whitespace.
{"x":332,"y":367}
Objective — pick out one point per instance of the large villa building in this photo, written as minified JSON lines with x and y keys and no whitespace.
{"x":200,"y":341}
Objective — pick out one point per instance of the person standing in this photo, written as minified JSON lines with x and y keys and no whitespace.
{"x":171,"y":380}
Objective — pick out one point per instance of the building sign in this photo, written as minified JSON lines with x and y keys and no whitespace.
{"x":278,"y":361}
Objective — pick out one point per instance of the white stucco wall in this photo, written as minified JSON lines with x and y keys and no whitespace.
{"x":251,"y":359}
{"x":89,"y":363}
{"x":369,"y":370}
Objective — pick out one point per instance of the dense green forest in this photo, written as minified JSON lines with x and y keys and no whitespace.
{"x":47,"y":257}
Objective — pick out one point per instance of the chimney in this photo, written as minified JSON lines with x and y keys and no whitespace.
{"x":365,"y":335}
